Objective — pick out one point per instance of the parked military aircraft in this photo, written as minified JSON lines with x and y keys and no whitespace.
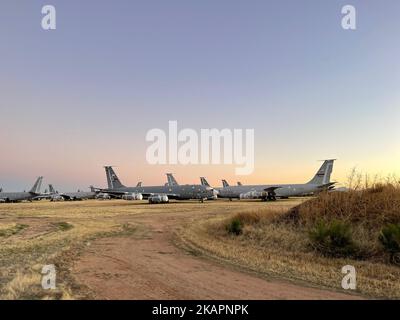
{"x":47,"y":194}
{"x":178,"y":192}
{"x":80,"y":195}
{"x":20,"y":196}
{"x":172,"y":182}
{"x":320,"y":182}
{"x":73,"y":196}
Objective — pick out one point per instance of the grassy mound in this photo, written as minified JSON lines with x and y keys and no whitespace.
{"x":363,"y":224}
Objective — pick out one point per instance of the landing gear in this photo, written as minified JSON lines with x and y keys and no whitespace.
{"x":271,"y":196}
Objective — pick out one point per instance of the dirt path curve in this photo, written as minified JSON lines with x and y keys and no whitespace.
{"x":150,"y":266}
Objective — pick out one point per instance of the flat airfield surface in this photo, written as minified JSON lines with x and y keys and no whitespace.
{"x":129,"y":250}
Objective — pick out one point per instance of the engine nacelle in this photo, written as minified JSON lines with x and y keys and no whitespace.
{"x":132,"y":196}
{"x":128,"y":196}
{"x":103,"y":196}
{"x":251,"y":195}
{"x":159,"y":198}
{"x":57,"y":198}
{"x":139,"y":196}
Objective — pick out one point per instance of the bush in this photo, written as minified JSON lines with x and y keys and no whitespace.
{"x":235,"y":226}
{"x":332,"y":239}
{"x":390,"y":239}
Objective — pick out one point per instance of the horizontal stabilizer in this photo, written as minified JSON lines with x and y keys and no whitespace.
{"x":326,"y":185}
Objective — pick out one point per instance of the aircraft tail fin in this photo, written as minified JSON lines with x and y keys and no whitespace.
{"x":225,"y":183}
{"x":204,"y":182}
{"x":239,"y":183}
{"x":171,"y":180}
{"x":139,"y":184}
{"x":113,"y":181}
{"x":36,"y":187}
{"x":51,"y":189}
{"x":323,"y":175}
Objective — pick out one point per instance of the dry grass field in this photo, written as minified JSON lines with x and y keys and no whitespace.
{"x":41,"y":233}
{"x":132,"y":250}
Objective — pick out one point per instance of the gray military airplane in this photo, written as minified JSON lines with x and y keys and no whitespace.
{"x":320,"y":182}
{"x":80,"y":195}
{"x":54,"y":195}
{"x":162,"y":193}
{"x":21,"y":196}
{"x":47,"y":194}
{"x":172,"y":182}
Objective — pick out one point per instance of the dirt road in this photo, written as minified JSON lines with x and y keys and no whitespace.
{"x":148,"y":265}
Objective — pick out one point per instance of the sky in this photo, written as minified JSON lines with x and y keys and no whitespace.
{"x":84,"y":95}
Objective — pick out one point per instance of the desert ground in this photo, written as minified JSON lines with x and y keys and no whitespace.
{"x":132,"y":250}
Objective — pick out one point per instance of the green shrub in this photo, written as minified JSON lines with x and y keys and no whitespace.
{"x":235,"y":226}
{"x":332,"y":239}
{"x":12,"y":230}
{"x":390,"y":239}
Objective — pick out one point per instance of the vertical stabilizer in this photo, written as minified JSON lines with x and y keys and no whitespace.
{"x":323,"y":175}
{"x":36,"y":187}
{"x":171,"y":180}
{"x":225,"y":183}
{"x":113,"y":181}
{"x":51,"y":189}
{"x":204,"y":182}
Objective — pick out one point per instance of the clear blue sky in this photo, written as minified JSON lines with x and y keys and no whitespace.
{"x":84,"y":95}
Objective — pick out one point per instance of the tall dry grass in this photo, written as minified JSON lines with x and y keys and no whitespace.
{"x":373,"y":207}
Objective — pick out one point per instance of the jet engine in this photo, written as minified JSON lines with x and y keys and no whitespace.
{"x":158,"y":199}
{"x":252,"y":195}
{"x":56,"y":197}
{"x":128,"y":196}
{"x":103,"y":196}
{"x":132,"y":196}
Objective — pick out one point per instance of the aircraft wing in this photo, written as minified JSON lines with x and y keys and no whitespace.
{"x":42,"y":196}
{"x":271,"y":189}
{"x":66,"y":196}
{"x":144,"y":194}
{"x":169,"y":195}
